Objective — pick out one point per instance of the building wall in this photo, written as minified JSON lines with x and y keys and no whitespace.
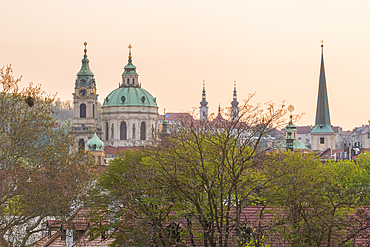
{"x":115,"y":115}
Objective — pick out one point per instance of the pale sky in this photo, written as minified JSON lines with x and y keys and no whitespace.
{"x":269,"y":47}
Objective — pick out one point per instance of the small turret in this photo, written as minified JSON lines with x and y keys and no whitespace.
{"x":203,"y":105}
{"x":96,"y":149}
{"x":95,"y":144}
{"x":164,"y":132}
{"x":234,"y":105}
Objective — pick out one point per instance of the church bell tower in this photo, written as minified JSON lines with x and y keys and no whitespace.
{"x":322,"y":135}
{"x":84,"y":103}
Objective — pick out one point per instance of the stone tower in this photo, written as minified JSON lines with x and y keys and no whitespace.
{"x":84,"y":103}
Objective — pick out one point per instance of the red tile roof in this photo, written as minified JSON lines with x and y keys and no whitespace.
{"x":113,"y":150}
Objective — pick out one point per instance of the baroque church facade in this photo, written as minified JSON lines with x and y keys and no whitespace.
{"x":129,"y":114}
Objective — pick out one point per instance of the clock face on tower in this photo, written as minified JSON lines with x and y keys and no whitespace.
{"x":82,"y":92}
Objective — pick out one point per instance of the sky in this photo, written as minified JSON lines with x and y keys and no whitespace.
{"x":269,"y":47}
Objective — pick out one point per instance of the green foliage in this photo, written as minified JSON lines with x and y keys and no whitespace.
{"x":316,"y":203}
{"x":41,"y":175}
{"x":128,"y":197}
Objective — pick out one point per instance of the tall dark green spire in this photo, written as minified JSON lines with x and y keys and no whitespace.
{"x":85,"y":77}
{"x":322,"y":122}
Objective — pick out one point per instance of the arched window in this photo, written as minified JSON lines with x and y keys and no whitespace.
{"x":133,"y":81}
{"x":93,"y":111}
{"x":106,"y":131}
{"x":142,"y":131}
{"x":123,"y":131}
{"x":128,"y":81}
{"x":99,"y":160}
{"x":81,"y":145}
{"x":82,"y":110}
{"x":133,"y":131}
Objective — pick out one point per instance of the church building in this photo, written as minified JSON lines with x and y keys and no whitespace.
{"x":322,"y":135}
{"x":129,"y":113}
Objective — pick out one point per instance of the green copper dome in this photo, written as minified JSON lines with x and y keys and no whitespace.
{"x":95,"y":144}
{"x":129,"y":96}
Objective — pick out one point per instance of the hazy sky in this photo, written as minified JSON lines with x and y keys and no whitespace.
{"x":269,"y":47}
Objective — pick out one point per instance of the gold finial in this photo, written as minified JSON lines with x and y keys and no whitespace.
{"x":85,"y":44}
{"x":164,"y":112}
{"x":322,"y":43}
{"x":234,"y":83}
{"x":291,"y":108}
{"x":204,"y":83}
{"x":129,"y":51}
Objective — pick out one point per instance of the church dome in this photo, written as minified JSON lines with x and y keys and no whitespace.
{"x":95,"y":144}
{"x":130,"y":96}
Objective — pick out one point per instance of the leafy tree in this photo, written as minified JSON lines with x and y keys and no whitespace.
{"x":41,"y":175}
{"x":312,"y":205}
{"x":136,"y":207}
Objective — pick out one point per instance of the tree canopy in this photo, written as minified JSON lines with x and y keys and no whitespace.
{"x":41,"y":175}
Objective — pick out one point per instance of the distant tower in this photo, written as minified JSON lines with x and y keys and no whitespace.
{"x":234,"y":106}
{"x":203,"y":105}
{"x":322,"y":135}
{"x":84,"y":103}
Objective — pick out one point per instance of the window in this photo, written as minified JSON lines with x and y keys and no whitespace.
{"x":93,"y":111}
{"x":322,"y":140}
{"x":112,"y":132}
{"x":133,"y":131}
{"x":133,"y":81}
{"x":81,"y":146}
{"x":99,"y":160}
{"x":142,"y":131}
{"x":82,"y":110}
{"x":123,"y":131}
{"x":106,"y":131}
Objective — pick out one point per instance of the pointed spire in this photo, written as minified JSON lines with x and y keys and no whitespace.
{"x":322,"y":121}
{"x":164,"y":122}
{"x":235,"y":102}
{"x":234,"y":90}
{"x":234,"y":105}
{"x":203,"y":104}
{"x":204,"y":101}
{"x":219,"y":109}
{"x":85,"y":69}
{"x":129,"y":54}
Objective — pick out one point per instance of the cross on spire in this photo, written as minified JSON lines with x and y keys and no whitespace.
{"x":129,"y":51}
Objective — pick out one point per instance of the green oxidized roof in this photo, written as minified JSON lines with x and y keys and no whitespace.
{"x":130,"y":96}
{"x":95,"y":144}
{"x":85,"y":69}
{"x":322,"y":128}
{"x":297,"y":144}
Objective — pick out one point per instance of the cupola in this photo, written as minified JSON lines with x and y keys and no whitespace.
{"x":95,"y":144}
